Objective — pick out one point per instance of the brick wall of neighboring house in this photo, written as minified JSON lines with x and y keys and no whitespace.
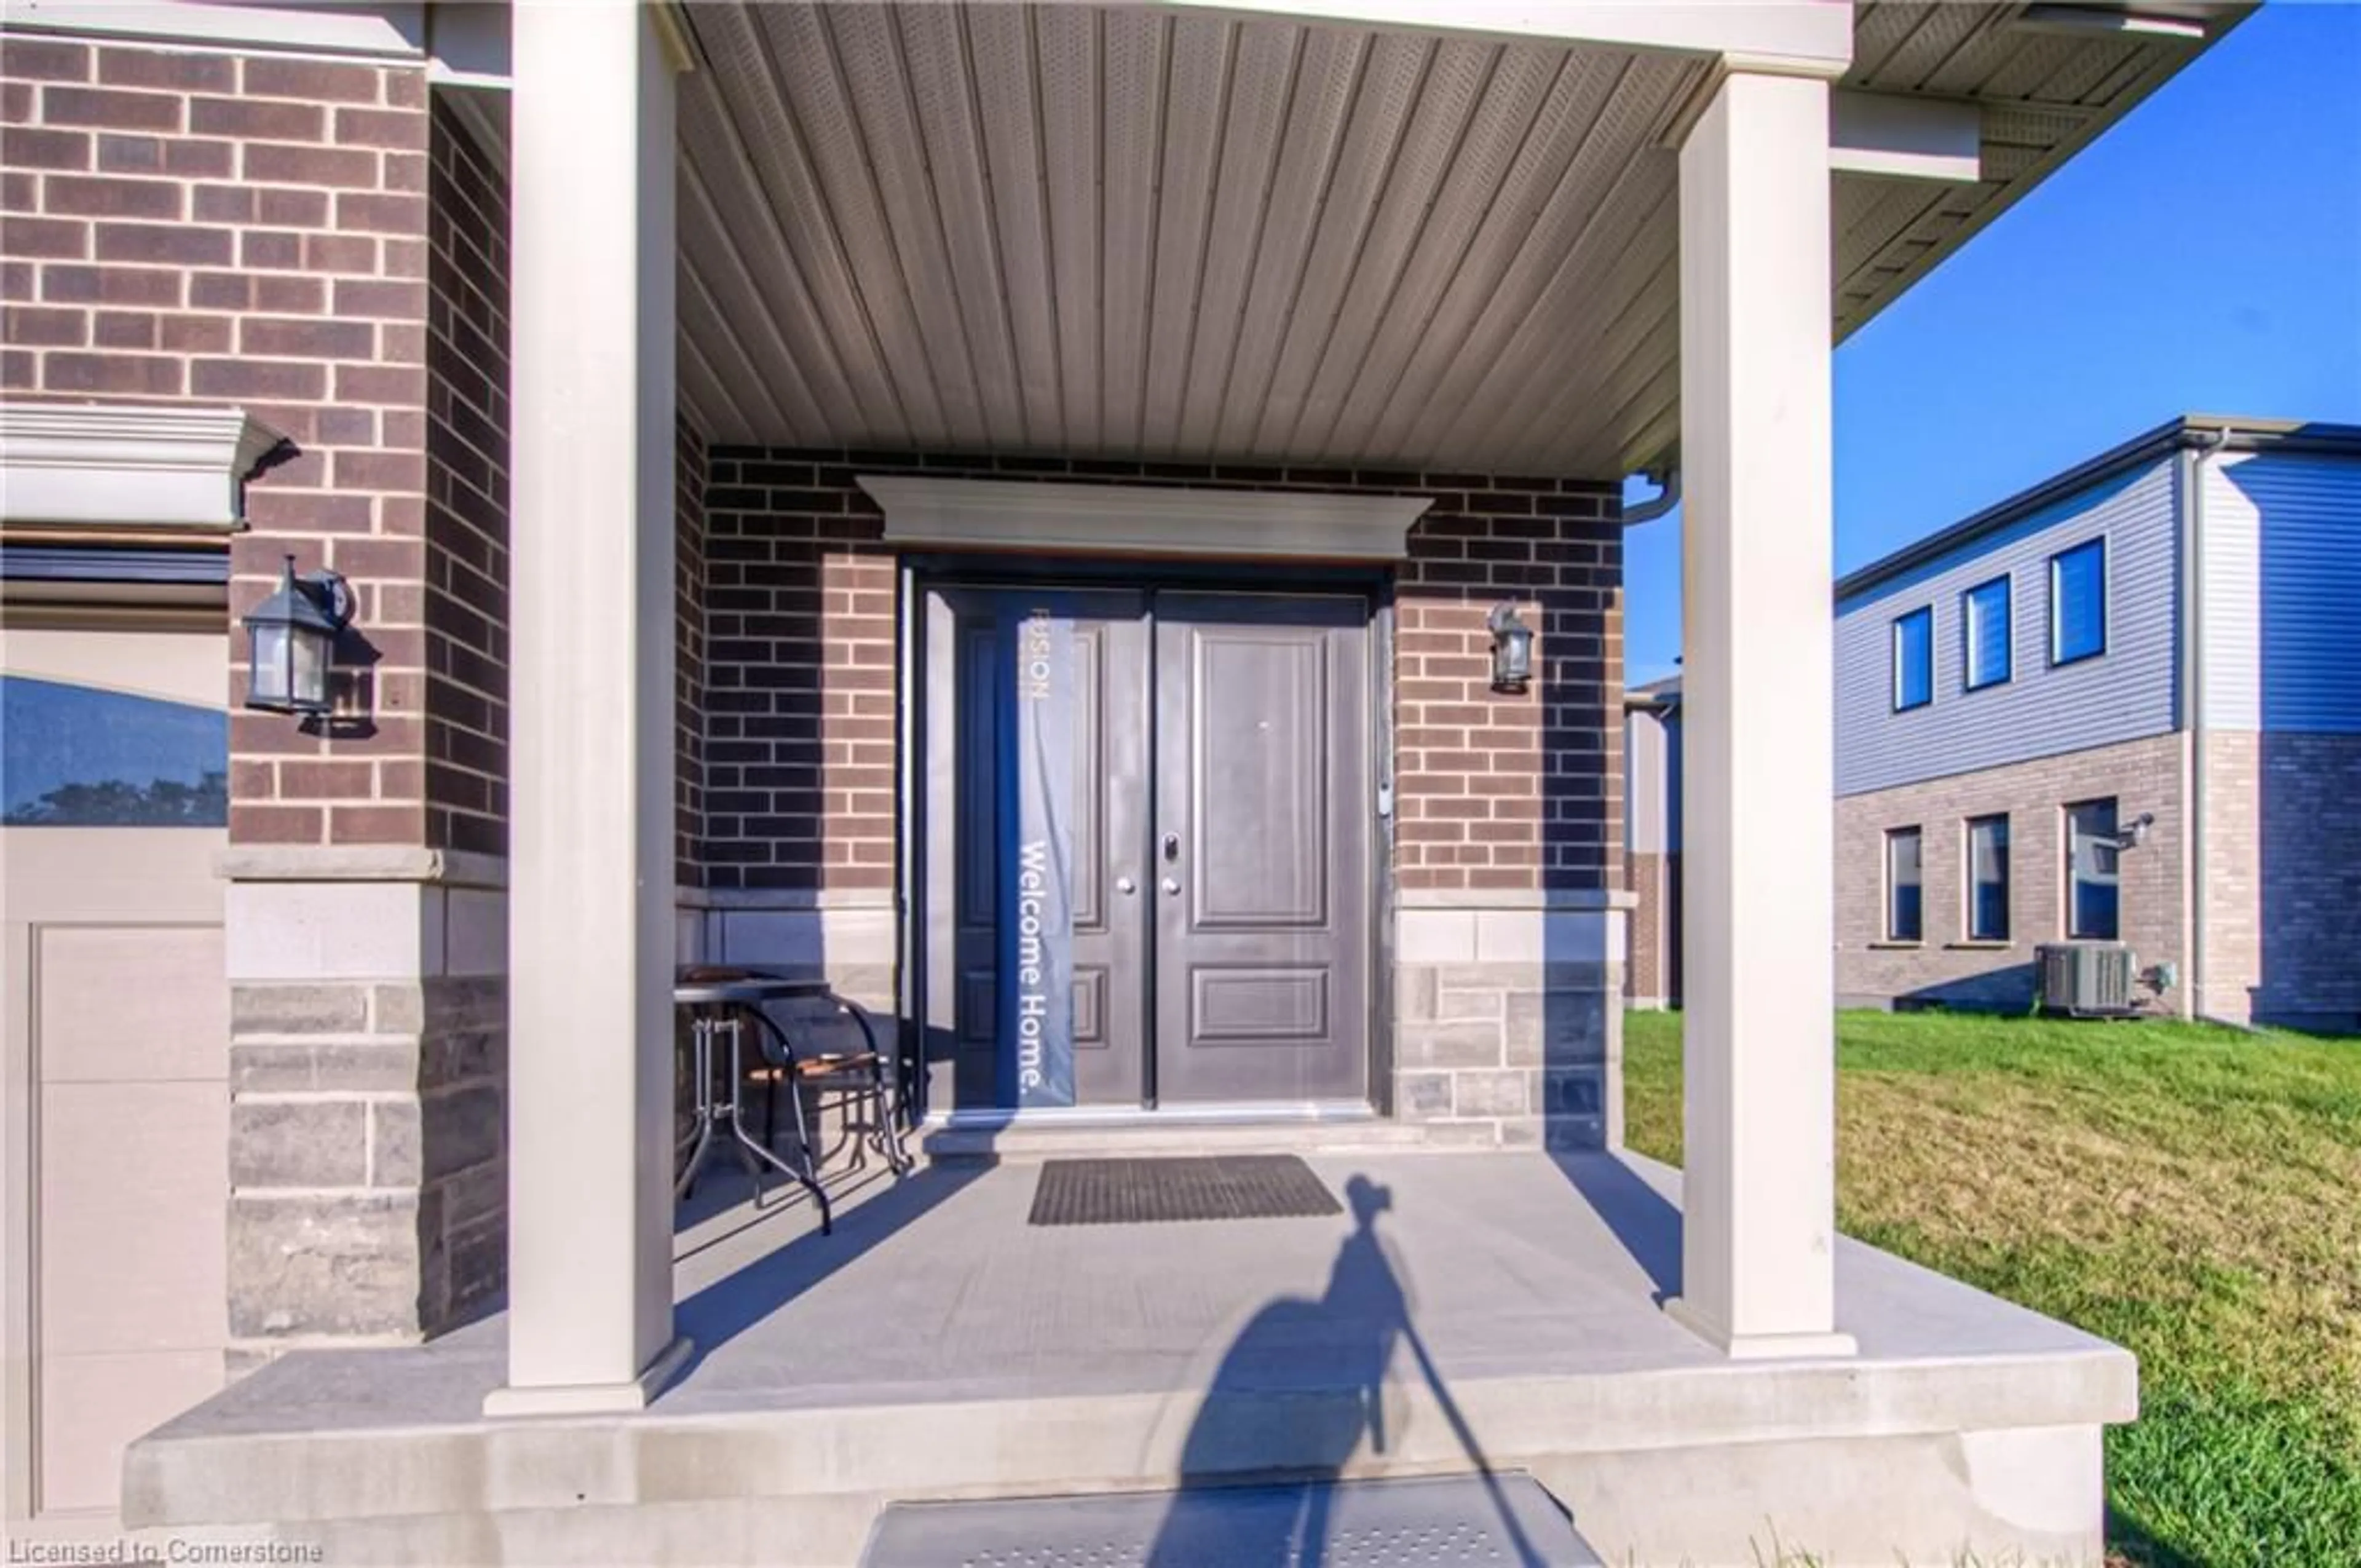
{"x":1508,"y":807}
{"x":2283,"y":878}
{"x":2142,"y":775}
{"x":1649,"y":973}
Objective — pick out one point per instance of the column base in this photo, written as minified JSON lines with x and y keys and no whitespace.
{"x":1760,"y":1347}
{"x":594,"y":1399}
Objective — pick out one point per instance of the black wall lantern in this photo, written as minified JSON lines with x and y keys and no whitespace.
{"x":293,"y":641}
{"x":1512,"y":649}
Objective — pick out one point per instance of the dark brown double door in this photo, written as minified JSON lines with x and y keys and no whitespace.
{"x":1219,"y":852}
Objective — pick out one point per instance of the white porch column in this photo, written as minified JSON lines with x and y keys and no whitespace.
{"x":591,"y":744}
{"x":1758,"y":904}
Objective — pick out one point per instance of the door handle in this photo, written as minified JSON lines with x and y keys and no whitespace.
{"x":1125,"y":886}
{"x":1172,"y":885}
{"x":1172,"y":845}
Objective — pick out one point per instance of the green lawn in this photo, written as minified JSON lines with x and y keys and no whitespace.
{"x":2193,"y":1193}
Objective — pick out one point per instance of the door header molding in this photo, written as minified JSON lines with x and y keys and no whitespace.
{"x":1143,"y":520}
{"x":156,"y":471}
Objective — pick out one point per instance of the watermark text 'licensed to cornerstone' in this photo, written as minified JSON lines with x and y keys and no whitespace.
{"x":171,"y":1549}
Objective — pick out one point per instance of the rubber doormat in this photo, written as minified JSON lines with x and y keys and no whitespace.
{"x":1491,"y":1521}
{"x":1154,"y":1191}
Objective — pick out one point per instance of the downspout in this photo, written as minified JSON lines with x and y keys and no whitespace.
{"x":2195,"y":883}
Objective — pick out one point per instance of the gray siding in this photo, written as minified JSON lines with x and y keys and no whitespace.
{"x":2282,"y":584}
{"x":1645,"y":786}
{"x":2125,"y":694}
{"x":1651,"y":780}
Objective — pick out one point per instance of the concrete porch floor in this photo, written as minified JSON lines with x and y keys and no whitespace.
{"x":1493,"y":1311}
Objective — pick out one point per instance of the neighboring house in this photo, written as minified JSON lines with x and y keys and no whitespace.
{"x":1652,"y":842}
{"x":2120,"y":707}
{"x":783,"y":463}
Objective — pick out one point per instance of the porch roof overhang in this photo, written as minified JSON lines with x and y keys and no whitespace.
{"x":1182,"y":233}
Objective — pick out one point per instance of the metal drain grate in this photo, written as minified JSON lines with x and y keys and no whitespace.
{"x":1153,"y":1191}
{"x":1445,"y":1521}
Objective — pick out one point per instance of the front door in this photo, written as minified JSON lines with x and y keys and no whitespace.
{"x":1216,"y":806}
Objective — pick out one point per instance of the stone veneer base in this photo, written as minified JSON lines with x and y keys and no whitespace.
{"x":1507,"y":1019}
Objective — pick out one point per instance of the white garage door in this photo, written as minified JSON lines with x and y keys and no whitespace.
{"x":112,"y":805}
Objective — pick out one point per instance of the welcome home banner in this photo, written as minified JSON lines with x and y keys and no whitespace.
{"x":1036,"y":923}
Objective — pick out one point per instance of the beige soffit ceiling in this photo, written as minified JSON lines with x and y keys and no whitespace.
{"x":1135,"y":232}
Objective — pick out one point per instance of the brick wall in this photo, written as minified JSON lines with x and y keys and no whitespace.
{"x":2283,"y":878}
{"x":2142,"y":775}
{"x":1510,"y":791}
{"x":467,"y":494}
{"x":190,"y":226}
{"x":799,"y":783}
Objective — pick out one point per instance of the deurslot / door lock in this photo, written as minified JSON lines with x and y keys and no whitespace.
{"x":1171,"y":886}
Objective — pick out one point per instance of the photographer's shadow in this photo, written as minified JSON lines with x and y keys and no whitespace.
{"x":1319,"y":1367}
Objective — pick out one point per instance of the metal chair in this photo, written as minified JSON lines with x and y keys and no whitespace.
{"x":826,"y":1046}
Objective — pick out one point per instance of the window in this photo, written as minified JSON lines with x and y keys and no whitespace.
{"x":1988,"y":879}
{"x":1914,"y":660}
{"x":76,"y":756}
{"x":2077,"y":603}
{"x":1905,"y":908}
{"x":1984,"y":615}
{"x":2091,"y":883}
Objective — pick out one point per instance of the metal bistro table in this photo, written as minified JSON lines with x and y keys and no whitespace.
{"x":720,"y":1006}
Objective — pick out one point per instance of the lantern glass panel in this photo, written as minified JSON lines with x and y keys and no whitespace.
{"x":309,"y":682}
{"x":273,"y":666}
{"x":1515,"y":656}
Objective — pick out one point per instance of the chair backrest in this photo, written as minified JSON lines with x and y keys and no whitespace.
{"x":816,"y":1026}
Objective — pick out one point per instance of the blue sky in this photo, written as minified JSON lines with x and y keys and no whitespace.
{"x":2203,"y":255}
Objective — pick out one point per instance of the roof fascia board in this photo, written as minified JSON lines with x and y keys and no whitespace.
{"x":1809,"y":38}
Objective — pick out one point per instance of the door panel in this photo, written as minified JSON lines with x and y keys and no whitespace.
{"x":972,"y":707}
{"x":1262,"y":803}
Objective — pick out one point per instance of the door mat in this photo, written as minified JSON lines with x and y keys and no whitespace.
{"x":1153,"y":1191}
{"x":1491,"y":1521}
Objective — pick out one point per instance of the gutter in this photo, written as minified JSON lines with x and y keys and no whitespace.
{"x":1667,"y":497}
